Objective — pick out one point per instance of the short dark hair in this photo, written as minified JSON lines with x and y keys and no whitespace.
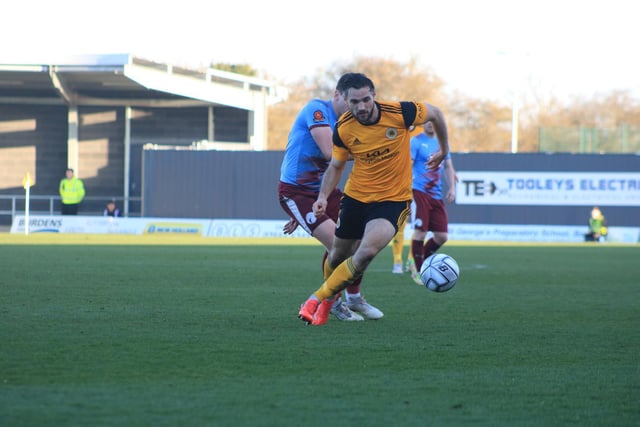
{"x":354,"y":81}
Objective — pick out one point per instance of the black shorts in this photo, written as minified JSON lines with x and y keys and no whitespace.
{"x":355,"y":215}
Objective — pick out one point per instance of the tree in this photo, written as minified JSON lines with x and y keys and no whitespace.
{"x":478,"y":125}
{"x":282,"y":115}
{"x":605,"y":123}
{"x":394,"y":81}
{"x":244,"y":69}
{"x":474,"y":125}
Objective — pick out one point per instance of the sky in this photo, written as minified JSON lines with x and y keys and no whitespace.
{"x":489,"y":49}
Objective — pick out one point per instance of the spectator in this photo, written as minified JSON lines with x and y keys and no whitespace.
{"x":597,"y":227}
{"x":72,"y":192}
{"x":111,"y":209}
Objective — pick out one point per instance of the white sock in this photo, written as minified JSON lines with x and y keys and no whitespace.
{"x":352,"y":297}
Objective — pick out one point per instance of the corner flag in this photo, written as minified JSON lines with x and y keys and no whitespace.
{"x":27,"y":181}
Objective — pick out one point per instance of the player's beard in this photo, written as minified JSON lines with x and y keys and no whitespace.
{"x":367,"y":119}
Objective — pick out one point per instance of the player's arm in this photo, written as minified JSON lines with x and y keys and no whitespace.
{"x":329,"y":182}
{"x":322,"y":136}
{"x":451,"y":178}
{"x":434,"y":114}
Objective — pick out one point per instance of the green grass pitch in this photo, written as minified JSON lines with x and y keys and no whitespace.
{"x":170,"y":331}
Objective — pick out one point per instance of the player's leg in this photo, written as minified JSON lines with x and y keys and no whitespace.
{"x":338,"y":308}
{"x":324,"y":231}
{"x":383,"y":220}
{"x":365,"y":230}
{"x":378,"y":217}
{"x":316,"y":309}
{"x":417,"y":247}
{"x":420,"y":226}
{"x":433,"y":244}
{"x":378,"y":233}
{"x":344,"y":273}
{"x":397,"y":246}
{"x":298,"y":204}
{"x":344,"y":244}
{"x":438,"y":225}
{"x":410,"y":265}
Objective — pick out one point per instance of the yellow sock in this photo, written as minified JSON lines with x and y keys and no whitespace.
{"x":342,"y":276}
{"x":327,"y":270}
{"x":396,"y":246}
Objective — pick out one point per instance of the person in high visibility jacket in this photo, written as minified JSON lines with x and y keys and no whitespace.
{"x":597,"y":226}
{"x":71,"y":192}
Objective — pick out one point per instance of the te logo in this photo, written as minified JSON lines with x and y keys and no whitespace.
{"x":478,"y":187}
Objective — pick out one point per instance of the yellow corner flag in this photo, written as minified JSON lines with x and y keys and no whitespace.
{"x":27,"y":181}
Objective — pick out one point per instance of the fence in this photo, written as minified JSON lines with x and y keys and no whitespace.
{"x":624,"y":139}
{"x":12,"y":205}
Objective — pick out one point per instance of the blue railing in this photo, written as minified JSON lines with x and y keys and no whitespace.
{"x":12,"y":205}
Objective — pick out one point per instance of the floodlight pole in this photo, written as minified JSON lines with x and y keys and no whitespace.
{"x":515,"y":72}
{"x":514,"y":123}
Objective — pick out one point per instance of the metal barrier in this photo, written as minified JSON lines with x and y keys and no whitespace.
{"x":11,"y":205}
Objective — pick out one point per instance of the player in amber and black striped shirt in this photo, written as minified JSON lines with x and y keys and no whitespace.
{"x":377,"y":195}
{"x":306,"y":157}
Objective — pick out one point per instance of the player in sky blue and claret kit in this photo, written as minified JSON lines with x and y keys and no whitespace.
{"x":306,"y":159}
{"x":428,"y":208}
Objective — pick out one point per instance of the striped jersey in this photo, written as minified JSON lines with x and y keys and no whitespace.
{"x":381,"y":151}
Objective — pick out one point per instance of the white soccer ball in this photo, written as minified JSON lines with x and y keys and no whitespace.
{"x":439,"y":272}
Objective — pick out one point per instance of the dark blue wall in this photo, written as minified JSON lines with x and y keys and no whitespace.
{"x":235,"y":184}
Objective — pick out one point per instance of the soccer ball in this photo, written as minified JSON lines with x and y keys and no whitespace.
{"x":439,"y":272}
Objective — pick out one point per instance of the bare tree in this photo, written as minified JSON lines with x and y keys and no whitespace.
{"x":394,"y":81}
{"x":475,"y":125}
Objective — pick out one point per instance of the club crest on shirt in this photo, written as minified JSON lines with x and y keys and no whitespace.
{"x":310,"y":218}
{"x":391,"y":133}
{"x":318,"y":116}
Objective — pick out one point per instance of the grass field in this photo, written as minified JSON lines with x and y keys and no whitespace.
{"x":142,"y":331}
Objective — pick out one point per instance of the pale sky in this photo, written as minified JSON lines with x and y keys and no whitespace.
{"x":481,"y":48}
